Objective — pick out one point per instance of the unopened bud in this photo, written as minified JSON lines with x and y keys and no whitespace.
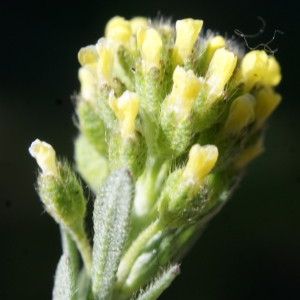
{"x":45,"y":157}
{"x":149,"y":43}
{"x":219,"y":72}
{"x":187,"y":31}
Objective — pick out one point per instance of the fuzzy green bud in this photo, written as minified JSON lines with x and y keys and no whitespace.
{"x":58,"y":186}
{"x":179,"y":203}
{"x":176,"y":109}
{"x":127,"y":146}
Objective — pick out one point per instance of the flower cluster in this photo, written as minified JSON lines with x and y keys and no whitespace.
{"x":179,"y":112}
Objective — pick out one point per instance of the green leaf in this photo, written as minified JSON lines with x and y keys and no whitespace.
{"x":64,"y":283}
{"x":112,"y":211}
{"x":162,"y":282}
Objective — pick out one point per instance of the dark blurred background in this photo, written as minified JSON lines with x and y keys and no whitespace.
{"x":251,"y":250}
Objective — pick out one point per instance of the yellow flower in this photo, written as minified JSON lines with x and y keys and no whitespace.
{"x":241,"y":114}
{"x":87,"y":83}
{"x":273,"y":75}
{"x":187,"y":31}
{"x":136,"y":23}
{"x":149,"y":43}
{"x":118,"y":30}
{"x":254,"y":67}
{"x":215,"y":43}
{"x":45,"y":157}
{"x":126,"y":109}
{"x":186,"y":88}
{"x":219,"y":72}
{"x":201,"y":160}
{"x":106,"y":52}
{"x":267,"y":101}
{"x":88,"y":57}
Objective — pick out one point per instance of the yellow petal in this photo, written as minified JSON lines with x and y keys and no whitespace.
{"x":241,"y":114}
{"x":87,"y":83}
{"x":273,"y":74}
{"x":88,"y":55}
{"x":186,"y":88}
{"x":187,"y":31}
{"x":201,"y":160}
{"x":126,"y":109}
{"x":118,"y":30}
{"x":106,"y":52}
{"x":45,"y":157}
{"x":254,"y":67}
{"x":149,"y":43}
{"x":214,"y":43}
{"x":219,"y":72}
{"x":267,"y":101}
{"x":137,"y":22}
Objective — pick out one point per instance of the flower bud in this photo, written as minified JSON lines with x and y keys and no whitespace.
{"x":105,"y":50}
{"x":87,"y":83}
{"x":219,"y":72}
{"x":126,"y":109}
{"x":88,"y":57}
{"x":214,"y":43}
{"x":45,"y":157}
{"x":138,"y":22}
{"x":254,"y":67}
{"x":58,"y":187}
{"x":118,"y":30}
{"x":267,"y":100}
{"x":187,"y":31}
{"x":180,"y":203}
{"x":273,"y":75}
{"x":201,"y":160}
{"x":176,"y":124}
{"x":241,"y":114}
{"x":185,"y":90}
{"x":149,"y":43}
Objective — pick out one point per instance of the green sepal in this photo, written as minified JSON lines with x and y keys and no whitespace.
{"x":174,"y":137}
{"x":105,"y":111}
{"x":112,"y":211}
{"x":62,"y":195}
{"x":176,"y":206}
{"x":92,"y":125}
{"x":125,"y":67}
{"x":151,"y":90}
{"x":130,"y":153}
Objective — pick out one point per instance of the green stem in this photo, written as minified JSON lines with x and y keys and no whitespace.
{"x":135,"y":250}
{"x":148,"y":189}
{"x":69,"y":248}
{"x":83,"y":245}
{"x":150,"y":183}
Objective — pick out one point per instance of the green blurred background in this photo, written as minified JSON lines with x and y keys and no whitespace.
{"x":251,"y":250}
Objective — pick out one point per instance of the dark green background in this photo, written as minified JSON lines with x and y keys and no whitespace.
{"x":251,"y":250}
